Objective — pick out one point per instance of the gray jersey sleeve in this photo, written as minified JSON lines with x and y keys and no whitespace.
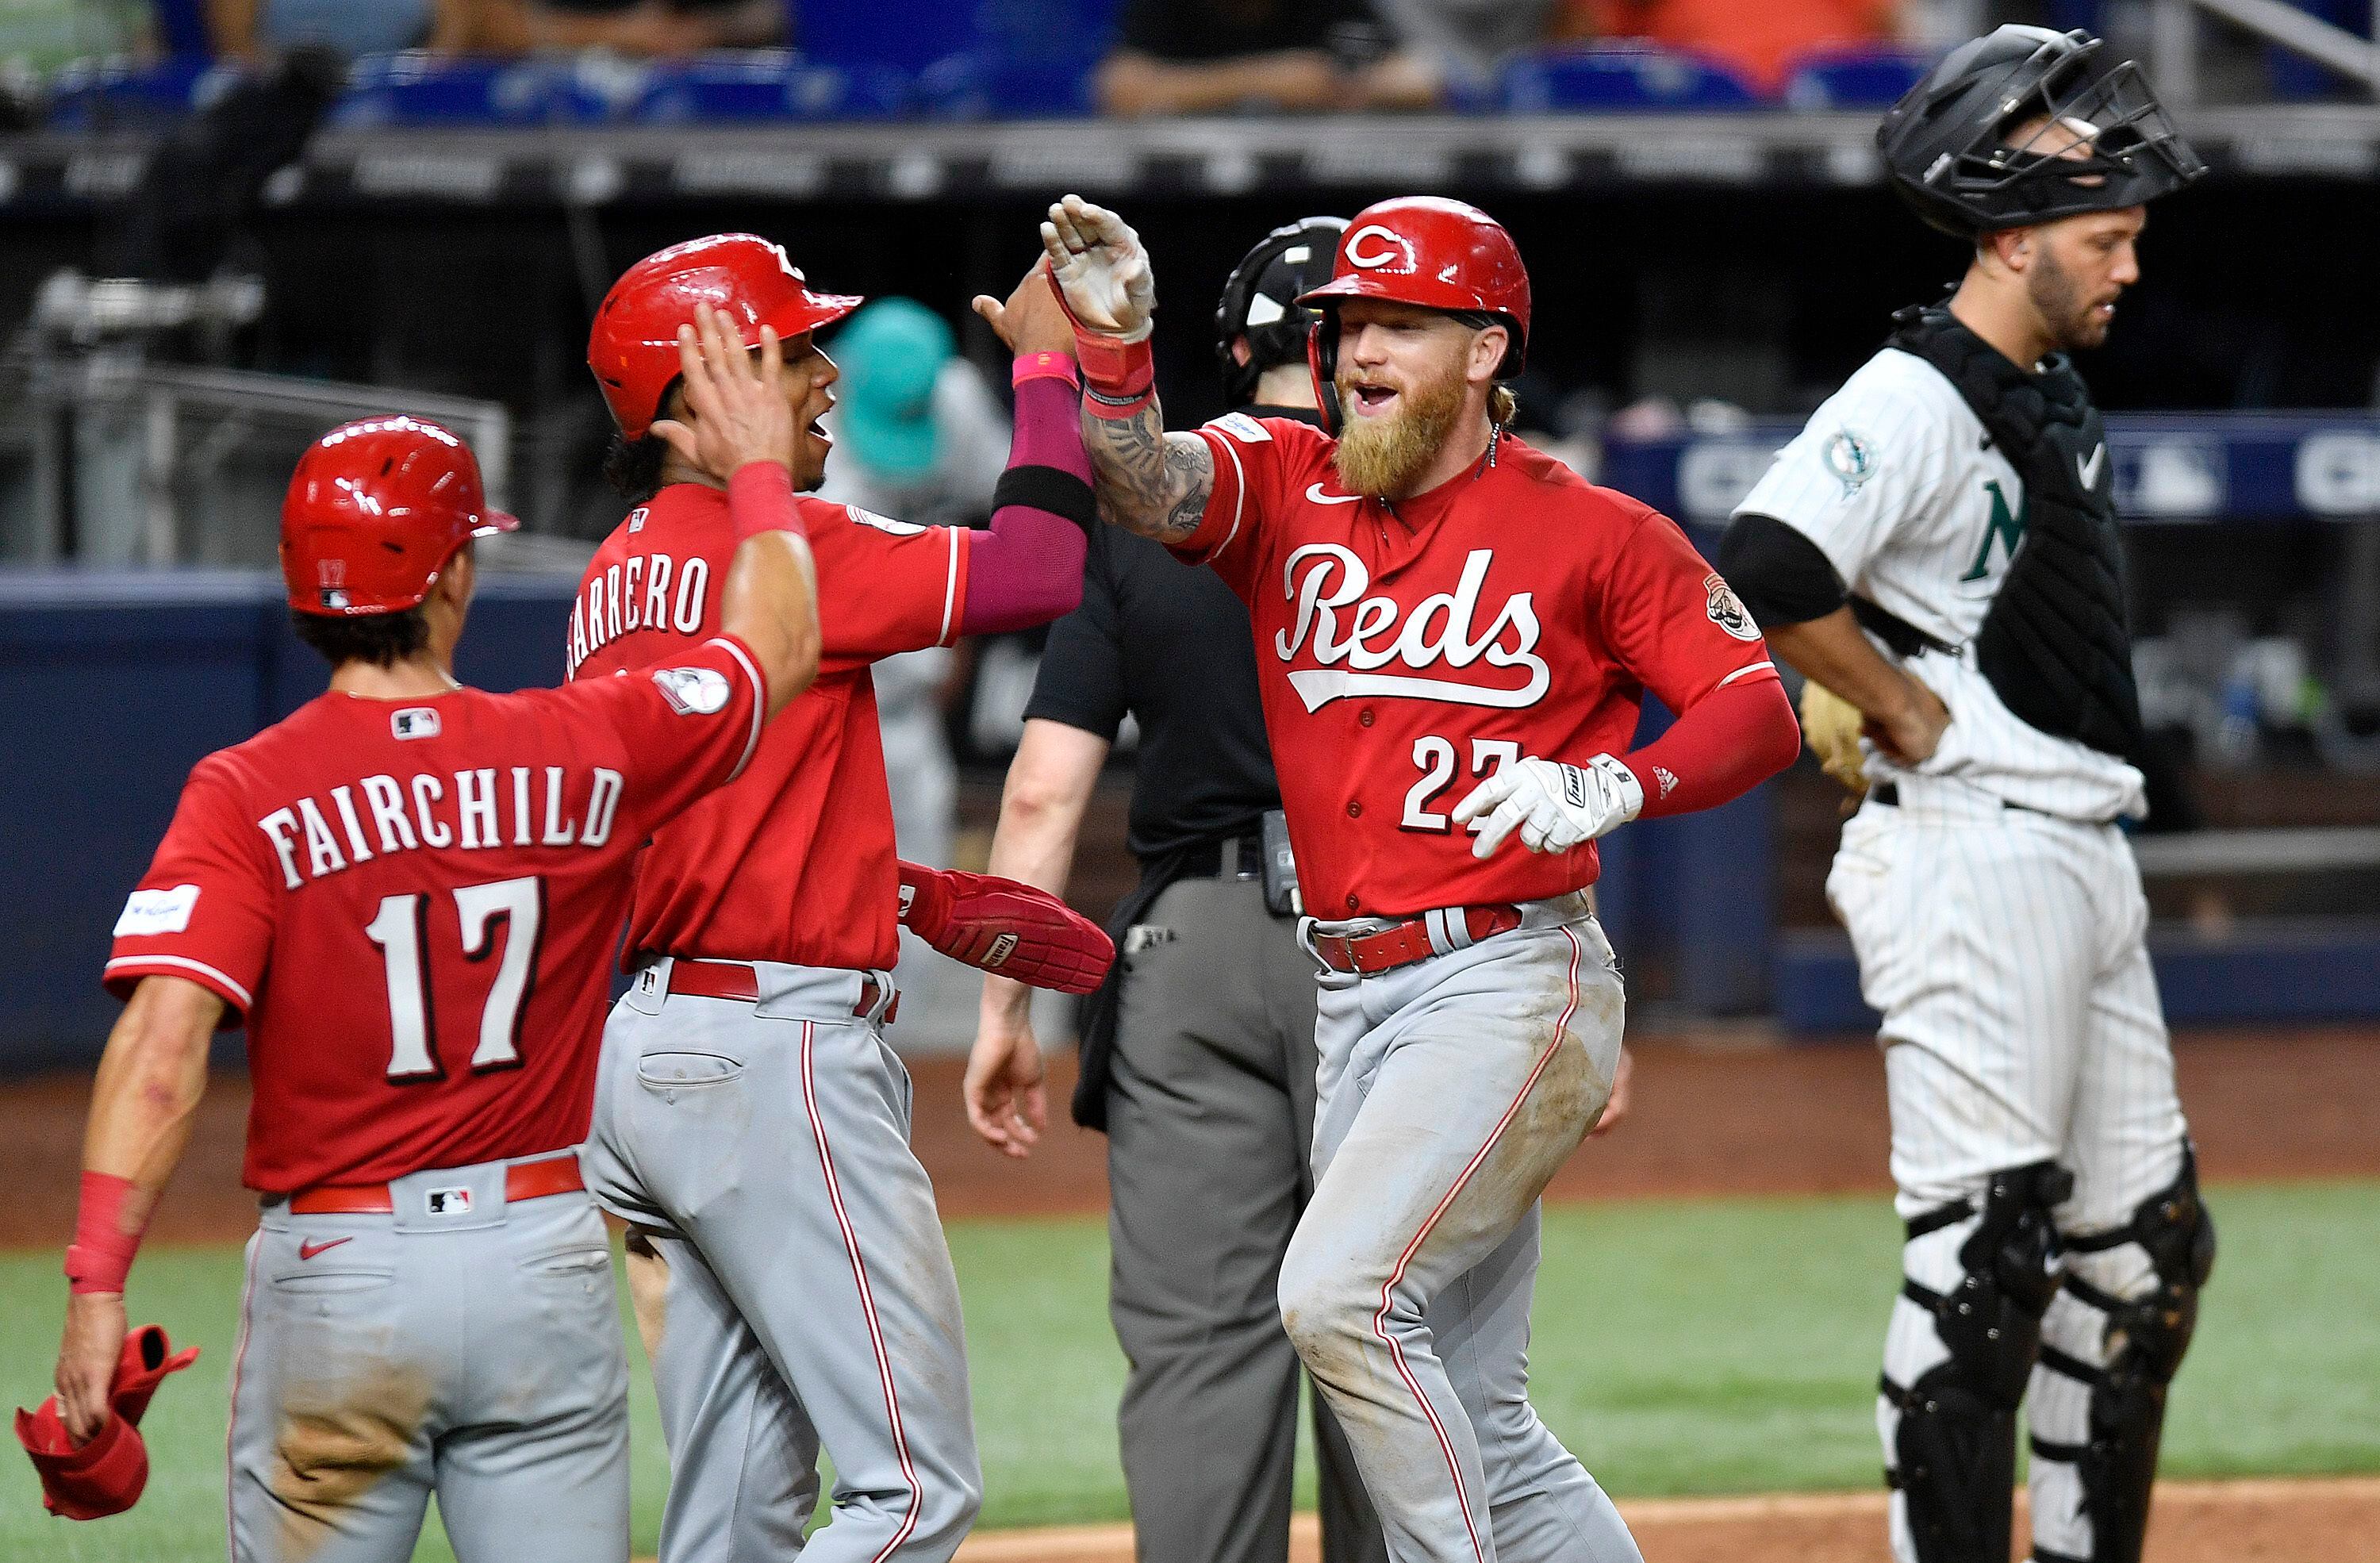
{"x":1871,"y":459}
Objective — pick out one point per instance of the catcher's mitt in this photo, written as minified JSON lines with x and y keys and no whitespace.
{"x":1830,"y":725}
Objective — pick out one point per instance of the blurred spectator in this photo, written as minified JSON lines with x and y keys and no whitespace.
{"x":1202,"y":56}
{"x":1467,"y":40}
{"x":920,"y":438}
{"x":243,"y":28}
{"x":653,"y":29}
{"x":38,"y":36}
{"x":1760,"y":40}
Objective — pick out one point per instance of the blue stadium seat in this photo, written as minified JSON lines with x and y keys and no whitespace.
{"x":120,"y":95}
{"x":1854,"y":78}
{"x":414,"y":89}
{"x":858,"y":34}
{"x":181,"y":27}
{"x":764,"y":85}
{"x":990,"y":84}
{"x":1606,"y":78}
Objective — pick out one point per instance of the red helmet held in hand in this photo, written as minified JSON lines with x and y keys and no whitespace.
{"x":1427,"y":251}
{"x":375,"y":511}
{"x":632,"y":348}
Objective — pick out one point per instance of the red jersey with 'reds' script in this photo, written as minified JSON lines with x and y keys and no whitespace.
{"x":1406,"y":651}
{"x":413,"y":904}
{"x":795,"y":862}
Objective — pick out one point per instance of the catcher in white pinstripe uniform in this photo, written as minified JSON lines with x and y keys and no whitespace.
{"x":1937,"y":551}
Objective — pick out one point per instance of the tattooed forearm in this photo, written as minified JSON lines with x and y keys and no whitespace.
{"x":1145,"y":479}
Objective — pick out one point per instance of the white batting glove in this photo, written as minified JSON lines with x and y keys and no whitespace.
{"x":1103,"y":272}
{"x":1555,"y":806}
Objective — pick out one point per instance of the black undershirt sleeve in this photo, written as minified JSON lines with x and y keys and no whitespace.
{"x":1782,"y":576}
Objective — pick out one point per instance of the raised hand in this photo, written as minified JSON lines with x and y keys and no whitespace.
{"x":1032,"y":320}
{"x":1100,"y":269}
{"x":741,"y":411}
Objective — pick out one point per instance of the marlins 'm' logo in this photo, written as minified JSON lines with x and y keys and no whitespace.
{"x":1727,"y":609}
{"x":692,"y":691}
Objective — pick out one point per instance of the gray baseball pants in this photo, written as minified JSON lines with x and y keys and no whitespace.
{"x":474,"y":1353}
{"x":1451,"y":1090}
{"x":763,"y":1149}
{"x":1210,"y":1117}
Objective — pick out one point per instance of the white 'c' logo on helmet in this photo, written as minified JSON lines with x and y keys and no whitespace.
{"x":1400,"y":256}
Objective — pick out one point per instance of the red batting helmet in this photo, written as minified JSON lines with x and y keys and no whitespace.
{"x":633,"y":348}
{"x":1428,"y":250}
{"x":375,"y":512}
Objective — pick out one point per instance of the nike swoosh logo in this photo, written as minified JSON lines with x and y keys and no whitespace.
{"x":2088,"y":468}
{"x":1314,"y":491}
{"x":308,"y":1250}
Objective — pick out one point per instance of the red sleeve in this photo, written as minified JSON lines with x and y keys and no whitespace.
{"x":204,"y":910}
{"x":1249,"y":463}
{"x":689,"y":723}
{"x":885,"y":586}
{"x":1670,"y":621}
{"x":1723,"y":746}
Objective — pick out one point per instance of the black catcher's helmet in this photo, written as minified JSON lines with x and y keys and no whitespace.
{"x":1260,"y":303}
{"x":2106,"y":143}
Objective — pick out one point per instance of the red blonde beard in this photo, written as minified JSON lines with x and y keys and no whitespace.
{"x":1383,"y":455}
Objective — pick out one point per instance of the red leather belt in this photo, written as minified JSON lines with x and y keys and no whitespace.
{"x":736,"y":980}
{"x":523,"y":1179}
{"x":1401,"y":944}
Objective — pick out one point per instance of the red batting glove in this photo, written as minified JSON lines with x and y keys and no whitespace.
{"x":1005,"y":927}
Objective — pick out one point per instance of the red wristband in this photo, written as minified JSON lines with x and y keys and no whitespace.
{"x":100,"y":1255}
{"x":761,"y":499}
{"x":1043,"y":366}
{"x":1119,"y":377}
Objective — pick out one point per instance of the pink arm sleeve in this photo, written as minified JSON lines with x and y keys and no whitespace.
{"x":1720,"y":747}
{"x":1029,"y":569}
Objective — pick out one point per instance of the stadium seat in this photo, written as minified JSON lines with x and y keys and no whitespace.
{"x":1606,"y":78}
{"x":121,"y":95}
{"x":852,"y":35}
{"x":414,"y":89}
{"x":1854,"y":78}
{"x":766,"y":85}
{"x":986,"y":84}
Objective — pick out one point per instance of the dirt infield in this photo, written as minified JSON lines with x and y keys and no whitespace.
{"x":1719,"y":1113}
{"x":2329,"y":1520}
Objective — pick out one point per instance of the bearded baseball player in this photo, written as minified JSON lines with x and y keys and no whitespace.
{"x":408,"y":891}
{"x":751,"y":1122}
{"x":1454,"y":634}
{"x":1938,"y":551}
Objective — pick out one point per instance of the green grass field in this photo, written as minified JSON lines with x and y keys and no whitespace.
{"x":1688,"y":1347}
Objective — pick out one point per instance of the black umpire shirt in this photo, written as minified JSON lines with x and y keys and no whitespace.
{"x":1169,"y":644}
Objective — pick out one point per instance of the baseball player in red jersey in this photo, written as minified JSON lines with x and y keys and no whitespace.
{"x":1463,"y":632}
{"x":408,"y":891}
{"x":751,"y":1122}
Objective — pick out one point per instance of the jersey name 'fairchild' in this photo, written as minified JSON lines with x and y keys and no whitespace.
{"x":471,"y":808}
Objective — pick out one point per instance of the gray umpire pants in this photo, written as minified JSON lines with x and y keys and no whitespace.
{"x":1211,"y":1117}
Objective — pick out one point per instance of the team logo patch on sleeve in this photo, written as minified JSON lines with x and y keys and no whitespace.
{"x":1850,"y":456}
{"x":1727,"y":609}
{"x":153,"y":912}
{"x":693,"y":691}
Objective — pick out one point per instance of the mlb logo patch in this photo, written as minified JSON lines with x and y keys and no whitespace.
{"x":447,"y":1201}
{"x":414,"y":721}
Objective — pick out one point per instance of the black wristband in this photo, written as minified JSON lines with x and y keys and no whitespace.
{"x":1053,"y":488}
